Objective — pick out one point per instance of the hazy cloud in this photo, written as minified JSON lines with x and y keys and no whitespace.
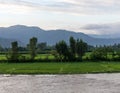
{"x":71,"y":6}
{"x":16,"y":2}
{"x":104,"y":29}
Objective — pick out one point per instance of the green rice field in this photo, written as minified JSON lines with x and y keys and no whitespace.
{"x":59,"y":68}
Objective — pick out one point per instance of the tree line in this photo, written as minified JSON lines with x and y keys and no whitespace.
{"x":76,"y":51}
{"x":62,"y":52}
{"x":14,"y":55}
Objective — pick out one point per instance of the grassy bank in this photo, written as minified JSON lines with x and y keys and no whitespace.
{"x":59,"y":68}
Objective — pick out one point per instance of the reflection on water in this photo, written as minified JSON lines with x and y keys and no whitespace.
{"x":83,"y":83}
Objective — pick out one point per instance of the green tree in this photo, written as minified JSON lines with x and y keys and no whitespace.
{"x":108,"y":50}
{"x":62,"y":50}
{"x":72,"y":46}
{"x":42,"y":46}
{"x":1,"y":48}
{"x":98,"y":54}
{"x":102,"y":53}
{"x":81,"y":48}
{"x":13,"y":55}
{"x":32,"y":47}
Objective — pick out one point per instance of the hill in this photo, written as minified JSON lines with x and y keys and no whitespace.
{"x":23,"y":33}
{"x":5,"y":42}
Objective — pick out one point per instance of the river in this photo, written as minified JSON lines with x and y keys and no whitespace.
{"x":81,"y":83}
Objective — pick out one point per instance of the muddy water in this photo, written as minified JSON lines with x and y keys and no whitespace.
{"x":83,"y":83}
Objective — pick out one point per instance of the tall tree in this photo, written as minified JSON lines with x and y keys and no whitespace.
{"x":14,"y":51}
{"x":72,"y":46}
{"x":62,"y":50}
{"x":32,"y":46}
{"x":81,"y":48}
{"x":1,"y":49}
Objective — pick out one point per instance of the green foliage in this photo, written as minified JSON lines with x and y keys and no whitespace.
{"x":1,"y":48}
{"x":55,"y":54}
{"x":76,"y":47}
{"x":32,"y":47}
{"x":81,"y":48}
{"x":62,"y":49}
{"x":72,"y":46}
{"x":101,"y":53}
{"x":97,"y":54}
{"x":42,"y":46}
{"x":13,"y":55}
{"x":61,"y":52}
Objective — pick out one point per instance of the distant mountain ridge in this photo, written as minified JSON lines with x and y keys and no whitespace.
{"x":5,"y":42}
{"x":23,"y":33}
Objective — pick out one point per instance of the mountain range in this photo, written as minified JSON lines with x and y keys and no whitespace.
{"x":22,"y":34}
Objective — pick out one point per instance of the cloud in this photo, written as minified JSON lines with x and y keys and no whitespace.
{"x":103,"y":29}
{"x":14,"y":7}
{"x":91,"y":7}
{"x":16,"y":2}
{"x":80,"y":7}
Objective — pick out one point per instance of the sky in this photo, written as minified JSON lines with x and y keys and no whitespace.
{"x":74,"y":15}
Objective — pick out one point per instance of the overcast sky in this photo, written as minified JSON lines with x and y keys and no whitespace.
{"x":60,"y":14}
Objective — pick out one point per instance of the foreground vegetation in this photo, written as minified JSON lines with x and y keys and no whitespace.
{"x":59,"y":68}
{"x":61,"y":58}
{"x":75,"y":51}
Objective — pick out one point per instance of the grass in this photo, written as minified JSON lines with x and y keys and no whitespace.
{"x":39,"y":56}
{"x":59,"y":68}
{"x":2,"y":57}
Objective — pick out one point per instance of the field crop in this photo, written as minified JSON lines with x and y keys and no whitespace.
{"x":59,"y":68}
{"x":39,"y":56}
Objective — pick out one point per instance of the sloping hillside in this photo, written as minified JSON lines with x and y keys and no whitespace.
{"x":23,"y":33}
